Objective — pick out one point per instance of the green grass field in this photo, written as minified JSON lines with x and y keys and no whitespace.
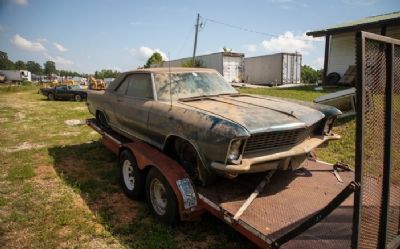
{"x":58,"y":184}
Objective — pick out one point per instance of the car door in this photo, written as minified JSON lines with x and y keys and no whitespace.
{"x":70,"y":92}
{"x":61,"y":92}
{"x":133,"y":107}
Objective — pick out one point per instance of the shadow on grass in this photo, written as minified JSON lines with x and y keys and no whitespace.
{"x":90,"y":169}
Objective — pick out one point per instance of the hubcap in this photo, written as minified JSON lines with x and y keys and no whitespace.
{"x":78,"y":98}
{"x":158,"y":196}
{"x":128,"y":174}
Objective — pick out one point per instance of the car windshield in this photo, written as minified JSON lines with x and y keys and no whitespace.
{"x":190,"y":84}
{"x":74,"y":87}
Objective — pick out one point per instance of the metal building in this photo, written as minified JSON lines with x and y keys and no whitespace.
{"x":274,"y":69}
{"x":228,"y":64}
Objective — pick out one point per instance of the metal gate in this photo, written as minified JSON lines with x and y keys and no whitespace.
{"x":376,"y":211}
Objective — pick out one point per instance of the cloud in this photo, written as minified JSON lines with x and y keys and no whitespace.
{"x":251,"y":48}
{"x":318,"y":63}
{"x":60,"y":61}
{"x":20,"y":2}
{"x":42,"y":40}
{"x":59,"y":47}
{"x":288,"y":42}
{"x":143,"y":53}
{"x":360,"y":2}
{"x":25,"y":44}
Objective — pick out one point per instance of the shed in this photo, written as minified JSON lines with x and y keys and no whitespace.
{"x":340,"y":43}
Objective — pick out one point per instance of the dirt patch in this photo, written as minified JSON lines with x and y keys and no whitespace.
{"x":67,"y":134}
{"x":20,"y":116}
{"x":75,"y":122}
{"x":123,"y":209}
{"x":4,"y":120}
{"x":23,"y":146}
{"x":74,"y":167}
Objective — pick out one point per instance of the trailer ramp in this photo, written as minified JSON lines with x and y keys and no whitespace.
{"x":289,"y":200}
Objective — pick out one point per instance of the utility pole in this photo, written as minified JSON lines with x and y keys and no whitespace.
{"x":195,"y":41}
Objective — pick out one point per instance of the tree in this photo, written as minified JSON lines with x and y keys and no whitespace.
{"x":155,"y":58}
{"x":20,"y":65}
{"x":50,"y":67}
{"x":5,"y":63}
{"x":189,"y":63}
{"x":310,"y":75}
{"x":34,"y":67}
{"x":106,"y":73}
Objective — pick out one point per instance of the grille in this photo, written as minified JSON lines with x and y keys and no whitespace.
{"x":277,"y":140}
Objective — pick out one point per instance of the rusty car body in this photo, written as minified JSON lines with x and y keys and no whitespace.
{"x":197,"y":118}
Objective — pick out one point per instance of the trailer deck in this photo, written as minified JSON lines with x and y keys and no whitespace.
{"x":290,"y":203}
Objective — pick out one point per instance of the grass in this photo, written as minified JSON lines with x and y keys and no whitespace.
{"x":59,"y":189}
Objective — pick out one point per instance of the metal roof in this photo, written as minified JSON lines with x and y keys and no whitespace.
{"x":378,"y":21}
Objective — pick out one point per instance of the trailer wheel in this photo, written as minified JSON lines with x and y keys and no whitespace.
{"x":161,"y":198}
{"x":77,"y":98}
{"x":50,"y":96}
{"x":131,"y":178}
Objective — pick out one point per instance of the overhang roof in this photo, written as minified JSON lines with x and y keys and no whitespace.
{"x":378,"y":21}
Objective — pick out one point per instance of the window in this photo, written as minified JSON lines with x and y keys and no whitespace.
{"x":122,"y":87}
{"x":61,"y":88}
{"x":139,"y":86}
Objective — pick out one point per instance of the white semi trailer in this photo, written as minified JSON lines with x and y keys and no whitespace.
{"x":16,"y":75}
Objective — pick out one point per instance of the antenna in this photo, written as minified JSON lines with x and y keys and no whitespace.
{"x":170,"y":81}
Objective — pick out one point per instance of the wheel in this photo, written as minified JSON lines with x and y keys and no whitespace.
{"x":77,"y":98}
{"x":50,"y":96}
{"x":131,"y":178}
{"x":187,"y":157}
{"x":102,"y":120}
{"x":161,"y":198}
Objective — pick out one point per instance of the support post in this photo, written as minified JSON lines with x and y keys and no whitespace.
{"x":195,"y":41}
{"x":327,"y":44}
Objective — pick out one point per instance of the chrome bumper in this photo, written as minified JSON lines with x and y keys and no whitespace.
{"x":264,"y":161}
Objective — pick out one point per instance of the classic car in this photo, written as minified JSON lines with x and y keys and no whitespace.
{"x":199,"y":119}
{"x":65,"y":92}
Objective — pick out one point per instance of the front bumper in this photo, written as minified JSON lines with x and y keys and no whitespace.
{"x":271,"y":160}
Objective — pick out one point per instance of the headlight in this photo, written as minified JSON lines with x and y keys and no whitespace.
{"x":234,"y":151}
{"x":329,"y":124}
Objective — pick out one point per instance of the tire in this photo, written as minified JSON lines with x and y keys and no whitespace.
{"x":187,"y":157}
{"x":50,"y":96}
{"x":161,"y":198}
{"x":131,"y":178}
{"x":78,"y":98}
{"x":101,"y":118}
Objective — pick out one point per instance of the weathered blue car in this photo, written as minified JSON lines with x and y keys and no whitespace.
{"x":199,"y":119}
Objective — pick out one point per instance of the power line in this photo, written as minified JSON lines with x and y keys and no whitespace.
{"x":238,"y":27}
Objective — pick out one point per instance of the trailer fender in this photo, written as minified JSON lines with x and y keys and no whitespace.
{"x":147,"y":156}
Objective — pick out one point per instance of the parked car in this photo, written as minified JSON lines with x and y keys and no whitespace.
{"x":65,"y":92}
{"x":199,"y":119}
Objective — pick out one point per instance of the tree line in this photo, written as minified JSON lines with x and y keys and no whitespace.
{"x":48,"y":68}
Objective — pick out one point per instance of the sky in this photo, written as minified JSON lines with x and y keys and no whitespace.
{"x":90,"y":35}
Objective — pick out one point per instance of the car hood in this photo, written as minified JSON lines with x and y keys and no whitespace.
{"x":258,"y":114}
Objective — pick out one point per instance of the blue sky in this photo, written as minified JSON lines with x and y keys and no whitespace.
{"x":90,"y":35}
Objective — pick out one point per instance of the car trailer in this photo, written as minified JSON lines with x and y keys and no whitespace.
{"x":270,"y":209}
{"x":317,"y":206}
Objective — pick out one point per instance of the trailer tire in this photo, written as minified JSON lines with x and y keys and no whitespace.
{"x":131,"y":177}
{"x":50,"y":96}
{"x":161,"y":198}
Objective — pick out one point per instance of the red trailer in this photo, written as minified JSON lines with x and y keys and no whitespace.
{"x":311,"y":207}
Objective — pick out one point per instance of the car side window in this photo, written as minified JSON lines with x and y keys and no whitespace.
{"x":122,"y":87}
{"x":140,"y":86}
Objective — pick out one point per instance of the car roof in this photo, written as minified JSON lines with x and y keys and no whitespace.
{"x":113,"y":85}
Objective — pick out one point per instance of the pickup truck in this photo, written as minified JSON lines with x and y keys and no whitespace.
{"x":65,"y":92}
